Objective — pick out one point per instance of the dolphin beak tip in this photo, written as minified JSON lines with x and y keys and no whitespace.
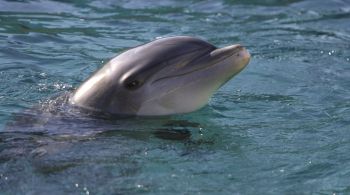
{"x":246,"y":56}
{"x":244,"y":53}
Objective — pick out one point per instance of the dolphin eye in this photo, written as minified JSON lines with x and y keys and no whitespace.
{"x":133,"y":84}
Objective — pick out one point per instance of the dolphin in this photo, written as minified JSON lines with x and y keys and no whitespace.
{"x":167,"y":76}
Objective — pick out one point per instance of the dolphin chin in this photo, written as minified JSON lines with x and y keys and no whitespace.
{"x":167,"y":76}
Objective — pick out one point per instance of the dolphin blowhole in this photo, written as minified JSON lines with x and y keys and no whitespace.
{"x":167,"y":76}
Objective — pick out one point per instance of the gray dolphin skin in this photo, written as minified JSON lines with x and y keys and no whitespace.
{"x":167,"y":76}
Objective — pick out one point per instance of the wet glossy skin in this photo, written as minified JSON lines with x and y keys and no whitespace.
{"x":167,"y":76}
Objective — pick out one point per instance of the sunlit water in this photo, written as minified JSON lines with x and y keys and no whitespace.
{"x":280,"y":127}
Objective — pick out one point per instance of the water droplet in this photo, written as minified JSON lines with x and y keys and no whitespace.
{"x":76,"y":185}
{"x":87,"y":192}
{"x":321,"y":52}
{"x":200,"y":131}
{"x":6,"y":178}
{"x":282,"y":170}
{"x":139,"y":186}
{"x":347,"y":59}
{"x":85,"y":188}
{"x":329,"y":53}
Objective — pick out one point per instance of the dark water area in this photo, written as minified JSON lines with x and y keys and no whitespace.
{"x":279,"y":127}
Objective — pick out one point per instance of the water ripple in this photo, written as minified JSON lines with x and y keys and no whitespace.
{"x":279,"y":127}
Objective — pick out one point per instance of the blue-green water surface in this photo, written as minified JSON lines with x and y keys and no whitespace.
{"x":282,"y":126}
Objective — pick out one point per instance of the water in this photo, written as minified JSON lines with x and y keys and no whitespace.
{"x":280,"y":127}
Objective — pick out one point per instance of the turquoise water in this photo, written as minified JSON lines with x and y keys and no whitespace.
{"x":279,"y":127}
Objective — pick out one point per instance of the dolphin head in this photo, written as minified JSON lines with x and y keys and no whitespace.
{"x":167,"y":76}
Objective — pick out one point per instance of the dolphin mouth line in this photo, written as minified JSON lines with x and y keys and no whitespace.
{"x":179,"y":75}
{"x":197,"y":69}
